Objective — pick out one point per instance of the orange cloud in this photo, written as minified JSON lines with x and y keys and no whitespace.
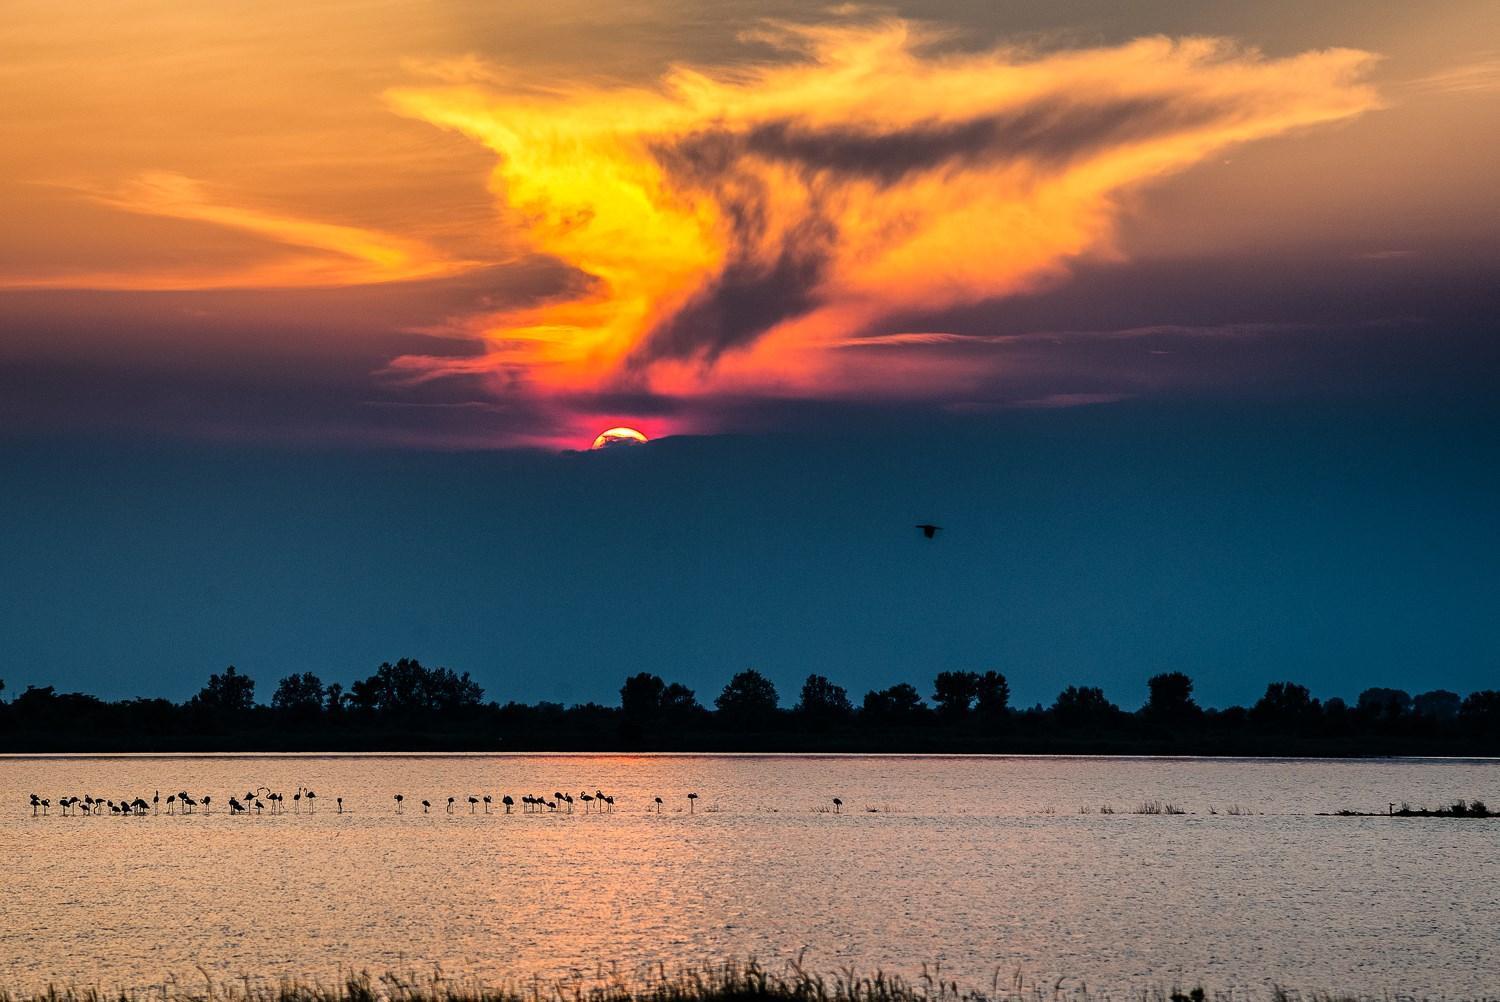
{"x":741,"y":223}
{"x":323,"y":255}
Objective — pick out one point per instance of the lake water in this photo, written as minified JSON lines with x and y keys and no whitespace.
{"x":982,"y":865}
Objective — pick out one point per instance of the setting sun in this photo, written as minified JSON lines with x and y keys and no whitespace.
{"x":615,"y":437}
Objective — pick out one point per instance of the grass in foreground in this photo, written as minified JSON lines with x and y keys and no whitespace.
{"x":728,"y":982}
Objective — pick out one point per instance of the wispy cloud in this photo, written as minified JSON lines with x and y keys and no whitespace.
{"x":738,"y":223}
{"x":1479,"y":77}
{"x":314,"y":253}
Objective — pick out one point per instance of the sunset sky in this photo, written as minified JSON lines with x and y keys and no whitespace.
{"x":247,"y":239}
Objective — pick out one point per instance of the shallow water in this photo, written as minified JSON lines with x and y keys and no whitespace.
{"x":982,"y":865}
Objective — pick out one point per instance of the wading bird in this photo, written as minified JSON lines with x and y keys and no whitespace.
{"x":426,"y":806}
{"x":473,"y":803}
{"x":508,"y":802}
{"x":838,"y":805}
{"x":658,"y":805}
{"x":340,"y":801}
{"x":450,"y":805}
{"x":487,"y":802}
{"x":692,"y":800}
{"x":399,"y":798}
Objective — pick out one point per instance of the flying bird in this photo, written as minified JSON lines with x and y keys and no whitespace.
{"x":929,"y":530}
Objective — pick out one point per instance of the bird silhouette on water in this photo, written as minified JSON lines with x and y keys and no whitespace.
{"x":929,"y":530}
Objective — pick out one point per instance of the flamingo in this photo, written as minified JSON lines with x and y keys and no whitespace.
{"x":312,"y":802}
{"x":692,"y":800}
{"x":235,"y":807}
{"x":569,"y":798}
{"x":258,"y":805}
{"x":610,"y":801}
{"x":487,"y":802}
{"x":341,"y":804}
{"x":297,"y":801}
{"x":399,"y":798}
{"x":155,"y":801}
{"x":587,"y":800}
{"x":206,"y":801}
{"x":837,"y":805}
{"x":508,"y":802}
{"x":450,"y":805}
{"x":473,"y":802}
{"x":658,"y":805}
{"x":36,"y":804}
{"x":171,"y":803}
{"x":426,"y":806}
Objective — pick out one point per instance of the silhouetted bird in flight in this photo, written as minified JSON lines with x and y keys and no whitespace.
{"x":929,"y":530}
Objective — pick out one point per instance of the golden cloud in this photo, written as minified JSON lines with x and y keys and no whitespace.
{"x":738,"y":222}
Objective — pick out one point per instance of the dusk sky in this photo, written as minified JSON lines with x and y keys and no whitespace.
{"x":1180,"y":319}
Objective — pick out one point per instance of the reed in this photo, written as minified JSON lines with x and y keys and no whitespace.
{"x":1159,"y":807}
{"x":724,"y":982}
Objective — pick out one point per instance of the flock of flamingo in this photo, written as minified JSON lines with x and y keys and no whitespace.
{"x":260,"y":800}
{"x":263,"y":799}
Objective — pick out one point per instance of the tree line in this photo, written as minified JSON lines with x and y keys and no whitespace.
{"x":406,"y":705}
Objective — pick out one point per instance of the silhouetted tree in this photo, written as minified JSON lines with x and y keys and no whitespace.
{"x":823,"y":702}
{"x":229,"y":694}
{"x":1480,"y":712}
{"x":900,"y":704}
{"x":640,"y":697}
{"x":299,"y":695}
{"x":1285,"y":705}
{"x":954,"y":693}
{"x":1171,"y":699}
{"x":748,"y":699}
{"x":991,"y":696}
{"x":406,"y":687}
{"x":334,"y":698}
{"x":1080,"y":706}
{"x":679,"y":703}
{"x":1439,"y":704}
{"x":1384,"y":704}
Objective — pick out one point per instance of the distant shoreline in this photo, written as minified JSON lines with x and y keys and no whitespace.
{"x":408,"y":707}
{"x":430,"y":743}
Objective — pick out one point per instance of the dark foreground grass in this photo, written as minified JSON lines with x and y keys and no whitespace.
{"x":727,"y":982}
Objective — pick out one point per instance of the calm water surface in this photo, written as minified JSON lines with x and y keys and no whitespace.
{"x":980,"y":865}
